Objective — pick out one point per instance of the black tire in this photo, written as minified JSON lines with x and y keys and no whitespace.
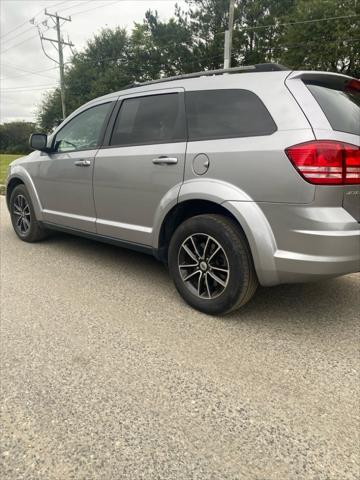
{"x":235,"y":269}
{"x":26,"y":227}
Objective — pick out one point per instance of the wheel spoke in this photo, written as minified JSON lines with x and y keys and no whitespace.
{"x":26,"y":210}
{"x":18,"y":221}
{"x":191,"y":275}
{"x":214,"y":253}
{"x":17,"y":207}
{"x":195,"y":247}
{"x":206,"y":246}
{"x":192,"y":265}
{"x":26,"y":223}
{"x":190,"y":253}
{"x":15,"y":212}
{"x":207,"y":286}
{"x":225,"y":270}
{"x":217,"y":279}
{"x":199,"y":283}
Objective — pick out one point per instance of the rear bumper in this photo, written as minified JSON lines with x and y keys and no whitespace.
{"x":313,"y":242}
{"x":308,"y":243}
{"x":294,"y":267}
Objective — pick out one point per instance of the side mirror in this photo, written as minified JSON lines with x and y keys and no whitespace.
{"x":38,"y":141}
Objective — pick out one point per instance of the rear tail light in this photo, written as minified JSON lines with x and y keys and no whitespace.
{"x":353,"y":86}
{"x":326,"y":162}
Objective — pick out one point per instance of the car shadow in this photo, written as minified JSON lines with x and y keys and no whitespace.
{"x":322,"y":302}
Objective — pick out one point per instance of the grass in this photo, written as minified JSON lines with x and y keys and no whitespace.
{"x":5,"y":159}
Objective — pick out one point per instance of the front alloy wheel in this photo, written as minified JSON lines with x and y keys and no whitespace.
{"x":23,"y":218}
{"x":22,"y":214}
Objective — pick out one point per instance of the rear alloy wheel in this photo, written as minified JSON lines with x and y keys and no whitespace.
{"x":23,"y":219}
{"x":203,"y":266}
{"x":211,"y":264}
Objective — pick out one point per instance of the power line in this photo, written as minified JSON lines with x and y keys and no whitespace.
{"x":26,"y":87}
{"x":108,"y":4}
{"x":241,"y":28}
{"x":17,"y":67}
{"x":82,"y":3}
{"x":39,"y":73}
{"x":299,"y":22}
{"x":94,"y":8}
{"x":26,"y":21}
{"x":17,"y":35}
{"x":20,"y":43}
{"x":14,"y":29}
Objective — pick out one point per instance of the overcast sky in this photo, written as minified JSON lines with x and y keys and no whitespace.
{"x":26,"y":73}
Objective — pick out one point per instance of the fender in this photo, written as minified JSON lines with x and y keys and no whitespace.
{"x":18,"y":171}
{"x":247,"y":212}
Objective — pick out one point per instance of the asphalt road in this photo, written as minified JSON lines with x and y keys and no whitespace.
{"x":107,"y":374}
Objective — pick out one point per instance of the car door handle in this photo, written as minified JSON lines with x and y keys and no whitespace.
{"x":82,"y":163}
{"x":165,"y":161}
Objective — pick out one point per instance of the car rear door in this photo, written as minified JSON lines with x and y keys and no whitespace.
{"x":141,"y":161}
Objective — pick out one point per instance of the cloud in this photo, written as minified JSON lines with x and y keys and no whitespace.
{"x":26,"y":73}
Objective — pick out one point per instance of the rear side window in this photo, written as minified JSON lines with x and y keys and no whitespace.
{"x":342,"y":109}
{"x":226,"y":113}
{"x":150,"y":120}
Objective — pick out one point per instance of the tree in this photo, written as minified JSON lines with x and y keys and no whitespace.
{"x":101,"y":68}
{"x":193,"y":40}
{"x":331,"y":45}
{"x":14,"y":137}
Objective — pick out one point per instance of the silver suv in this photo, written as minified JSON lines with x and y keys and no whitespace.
{"x":232,"y":178}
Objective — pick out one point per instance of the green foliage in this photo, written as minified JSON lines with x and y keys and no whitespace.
{"x":193,"y":40}
{"x":331,"y":45}
{"x":14,"y":137}
{"x":4,"y":163}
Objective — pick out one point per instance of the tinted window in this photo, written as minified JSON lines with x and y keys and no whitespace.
{"x":340,"y":108}
{"x":226,"y":113}
{"x":83,"y":131}
{"x":151,"y":119}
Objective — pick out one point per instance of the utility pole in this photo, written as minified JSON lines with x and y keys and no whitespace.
{"x":59,"y":45}
{"x":228,"y":36}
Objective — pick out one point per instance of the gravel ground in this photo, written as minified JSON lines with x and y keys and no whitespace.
{"x":107,"y":374}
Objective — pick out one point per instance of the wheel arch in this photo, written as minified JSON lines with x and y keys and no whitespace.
{"x":183,"y":211}
{"x":12,"y":183}
{"x":19,"y":176}
{"x":236,"y":205}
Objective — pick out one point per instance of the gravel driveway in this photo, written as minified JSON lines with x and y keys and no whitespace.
{"x":107,"y":374}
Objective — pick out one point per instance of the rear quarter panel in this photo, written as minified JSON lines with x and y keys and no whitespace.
{"x":257,"y":165}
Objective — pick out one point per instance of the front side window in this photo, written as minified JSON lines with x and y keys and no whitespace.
{"x":150,"y":120}
{"x":83,"y":131}
{"x":226,"y":114}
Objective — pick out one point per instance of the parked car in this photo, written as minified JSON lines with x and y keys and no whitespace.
{"x":232,"y":178}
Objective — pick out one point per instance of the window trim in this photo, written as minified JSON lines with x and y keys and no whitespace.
{"x":116,"y":111}
{"x":226,"y":137}
{"x":112,"y":104}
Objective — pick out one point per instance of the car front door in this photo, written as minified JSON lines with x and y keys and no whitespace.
{"x":64,"y":178}
{"x":142,"y":161}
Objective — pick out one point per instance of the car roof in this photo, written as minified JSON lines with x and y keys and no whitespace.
{"x":216,"y":78}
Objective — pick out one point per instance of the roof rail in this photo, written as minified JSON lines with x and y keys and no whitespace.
{"x":259,"y":67}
